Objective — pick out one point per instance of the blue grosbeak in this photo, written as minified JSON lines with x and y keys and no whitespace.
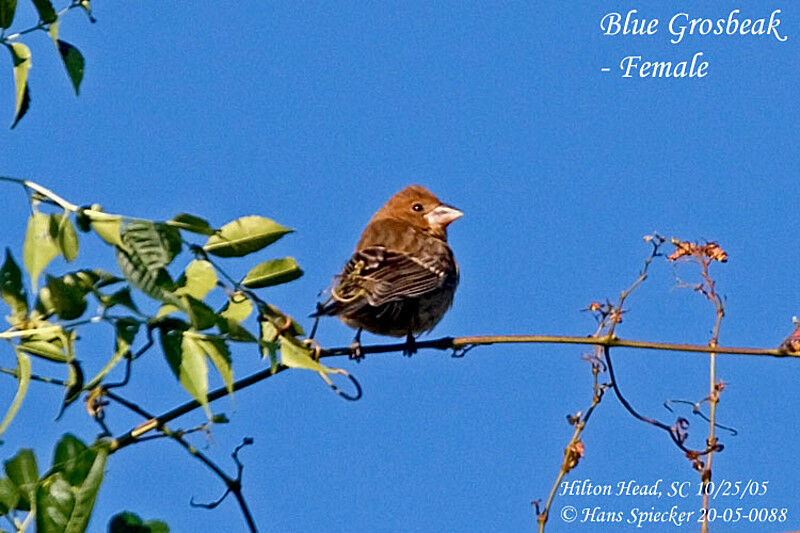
{"x":402,"y":276}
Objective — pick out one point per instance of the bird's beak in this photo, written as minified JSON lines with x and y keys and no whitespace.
{"x":443,"y":215}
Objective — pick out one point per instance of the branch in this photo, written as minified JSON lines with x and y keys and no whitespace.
{"x":449,"y":344}
{"x":159,"y":421}
{"x":55,"y":199}
{"x":457,"y":343}
{"x":34,"y":377}
{"x":232,"y":485}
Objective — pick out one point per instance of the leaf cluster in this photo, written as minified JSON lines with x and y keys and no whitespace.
{"x":194,"y":328}
{"x":49,"y":21}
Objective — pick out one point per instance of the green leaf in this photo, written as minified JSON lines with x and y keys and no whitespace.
{"x":296,"y":355}
{"x":245,"y":235}
{"x":279,"y":318}
{"x":11,"y":288}
{"x":73,"y":459}
{"x":47,"y":349}
{"x":234,"y":331}
{"x":268,"y":342}
{"x":54,"y":503}
{"x":126,"y":330}
{"x":65,"y":236}
{"x":23,"y":379}
{"x":107,"y":227}
{"x":91,"y":279}
{"x":23,"y":472}
{"x":86,"y":5}
{"x":121,"y":297}
{"x":7,"y":10}
{"x":156,"y":526}
{"x":128,"y":522}
{"x":155,"y":283}
{"x":21,"y":55}
{"x":66,"y":295}
{"x":86,"y":494}
{"x":197,"y":281}
{"x":201,"y":315}
{"x":192,"y":223}
{"x":63,"y":297}
{"x":39,"y":248}
{"x":187,"y":361}
{"x":9,"y":496}
{"x":155,"y":244}
{"x":65,"y":497}
{"x":46,"y":12}
{"x":149,"y":248}
{"x":73,"y":62}
{"x":237,"y":308}
{"x":73,"y":384}
{"x":220,"y":356}
{"x":52,"y":31}
{"x":272,"y":272}
{"x":125,"y":522}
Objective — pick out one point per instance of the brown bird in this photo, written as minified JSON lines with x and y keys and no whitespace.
{"x":402,"y":276}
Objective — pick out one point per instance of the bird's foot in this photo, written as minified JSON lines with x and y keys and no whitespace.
{"x":356,"y":353}
{"x":411,"y":346}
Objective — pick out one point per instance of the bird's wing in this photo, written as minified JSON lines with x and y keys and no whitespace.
{"x":376,"y":275}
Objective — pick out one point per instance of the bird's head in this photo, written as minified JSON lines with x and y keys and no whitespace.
{"x":417,"y":206}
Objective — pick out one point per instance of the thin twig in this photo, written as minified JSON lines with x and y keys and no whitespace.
{"x":41,"y":25}
{"x":34,"y":377}
{"x":233,"y":485}
{"x":573,"y":451}
{"x":714,"y":388}
{"x":609,"y":316}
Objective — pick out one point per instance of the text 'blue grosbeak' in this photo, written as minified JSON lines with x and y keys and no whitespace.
{"x":402,"y":276}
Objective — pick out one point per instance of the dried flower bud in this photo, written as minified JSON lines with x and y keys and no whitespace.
{"x":572,"y":455}
{"x":710,"y":250}
{"x":792,"y":342}
{"x":715,"y":253}
{"x":682,"y":249}
{"x":95,"y":402}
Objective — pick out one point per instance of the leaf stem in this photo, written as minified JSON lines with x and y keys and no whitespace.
{"x":40,"y":26}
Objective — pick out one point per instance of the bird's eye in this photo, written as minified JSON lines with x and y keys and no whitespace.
{"x":417,"y":207}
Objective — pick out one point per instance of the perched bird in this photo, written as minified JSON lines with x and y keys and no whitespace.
{"x":402,"y":276}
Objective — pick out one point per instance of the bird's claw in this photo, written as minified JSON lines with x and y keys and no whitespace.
{"x":356,"y":353}
{"x":410,"y":347}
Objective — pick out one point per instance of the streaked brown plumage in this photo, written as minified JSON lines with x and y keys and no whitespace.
{"x":402,"y":276}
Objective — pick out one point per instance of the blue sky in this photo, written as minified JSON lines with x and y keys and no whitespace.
{"x":314,"y":115}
